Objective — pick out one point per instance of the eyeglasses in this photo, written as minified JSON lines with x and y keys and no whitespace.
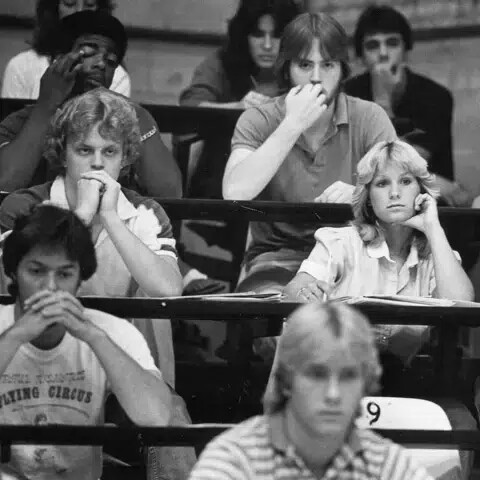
{"x":374,"y":44}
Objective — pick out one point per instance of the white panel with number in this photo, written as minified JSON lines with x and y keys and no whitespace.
{"x":413,"y":414}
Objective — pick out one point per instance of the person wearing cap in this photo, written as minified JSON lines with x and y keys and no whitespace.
{"x":91,"y":44}
{"x":326,"y":363}
{"x":24,"y":71}
{"x":420,"y":108}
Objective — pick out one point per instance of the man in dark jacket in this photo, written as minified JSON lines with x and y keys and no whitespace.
{"x":420,"y":109}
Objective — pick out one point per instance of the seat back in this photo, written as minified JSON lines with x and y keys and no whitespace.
{"x":413,"y":414}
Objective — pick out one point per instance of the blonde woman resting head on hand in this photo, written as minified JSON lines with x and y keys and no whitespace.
{"x":395,"y":245}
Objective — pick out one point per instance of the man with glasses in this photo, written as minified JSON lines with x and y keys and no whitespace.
{"x":420,"y":109}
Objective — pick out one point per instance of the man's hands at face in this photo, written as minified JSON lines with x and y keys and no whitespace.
{"x":305,"y":105}
{"x":59,"y":79}
{"x":88,"y":199}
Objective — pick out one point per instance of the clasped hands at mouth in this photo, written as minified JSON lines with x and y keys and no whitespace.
{"x":97,"y":192}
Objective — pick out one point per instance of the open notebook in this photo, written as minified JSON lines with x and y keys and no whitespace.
{"x":396,"y":300}
{"x":404,"y":300}
{"x":247,"y":296}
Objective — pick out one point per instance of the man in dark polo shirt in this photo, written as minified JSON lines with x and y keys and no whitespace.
{"x":420,"y":109}
{"x":91,"y":45}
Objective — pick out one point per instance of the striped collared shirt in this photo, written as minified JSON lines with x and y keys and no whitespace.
{"x":257,"y":449}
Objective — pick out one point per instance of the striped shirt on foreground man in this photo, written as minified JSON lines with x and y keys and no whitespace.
{"x":326,"y":362}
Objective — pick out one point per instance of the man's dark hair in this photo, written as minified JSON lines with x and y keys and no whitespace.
{"x":47,"y":20}
{"x":381,"y":19}
{"x":236,"y":59}
{"x":53,"y":228}
{"x":297,"y":40}
{"x":92,"y":22}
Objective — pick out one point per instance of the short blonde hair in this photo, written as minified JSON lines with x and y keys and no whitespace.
{"x":115,"y":114}
{"x":305,"y":331}
{"x":395,"y":152}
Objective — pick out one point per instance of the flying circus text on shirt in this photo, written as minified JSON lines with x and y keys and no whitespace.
{"x":50,"y":392}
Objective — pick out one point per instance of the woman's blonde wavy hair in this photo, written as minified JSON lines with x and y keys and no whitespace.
{"x":304,"y":333}
{"x":74,"y":120}
{"x":399,"y":153}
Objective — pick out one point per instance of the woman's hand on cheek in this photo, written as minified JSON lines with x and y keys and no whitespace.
{"x":426,"y":216}
{"x":88,"y":199}
{"x":108,"y":193}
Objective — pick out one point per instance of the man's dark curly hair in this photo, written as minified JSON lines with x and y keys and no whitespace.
{"x":235,"y":55}
{"x":53,"y":228}
{"x":45,"y":33}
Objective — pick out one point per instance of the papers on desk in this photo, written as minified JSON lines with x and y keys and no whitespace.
{"x":247,"y":296}
{"x":224,"y":297}
{"x":397,"y":300}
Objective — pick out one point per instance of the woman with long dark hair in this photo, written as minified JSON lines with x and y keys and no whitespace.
{"x":23,"y":72}
{"x":245,"y":64}
{"x":239,"y":75}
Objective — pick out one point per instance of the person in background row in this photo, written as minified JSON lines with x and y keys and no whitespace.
{"x":327,"y":362}
{"x":64,"y":360}
{"x":420,"y":108}
{"x":24,"y":71}
{"x":90,"y":46}
{"x":238,"y":75}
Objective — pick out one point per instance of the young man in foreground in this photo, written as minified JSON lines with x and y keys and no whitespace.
{"x":326,"y":362}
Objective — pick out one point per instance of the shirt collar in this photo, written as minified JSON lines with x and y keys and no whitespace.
{"x":58,"y":196}
{"x":379,"y":249}
{"x":351,"y":448}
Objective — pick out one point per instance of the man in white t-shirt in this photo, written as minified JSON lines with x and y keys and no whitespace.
{"x":59,"y":361}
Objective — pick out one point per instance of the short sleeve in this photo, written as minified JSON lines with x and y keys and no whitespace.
{"x":147,"y":124}
{"x":15,"y":80}
{"x":155,"y":171}
{"x":377,"y":127}
{"x":121,"y":82}
{"x":432,"y":282}
{"x":254,"y":126}
{"x":127,"y":337}
{"x":152,"y":226}
{"x":326,"y":259}
{"x":209,"y":83}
